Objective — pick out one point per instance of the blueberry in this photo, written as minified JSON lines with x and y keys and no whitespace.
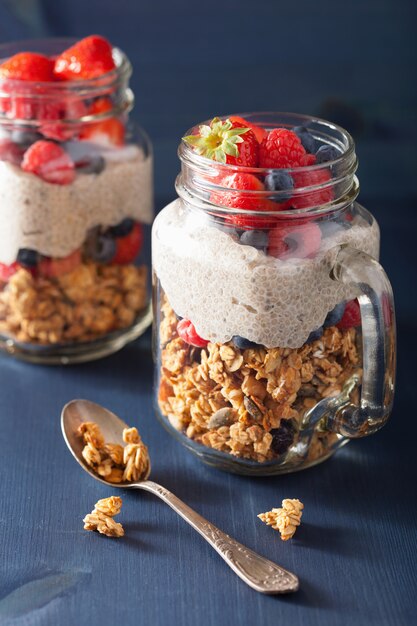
{"x":122,"y":228}
{"x":92,"y":165}
{"x":102,"y":249}
{"x":326,"y":153}
{"x":282,"y":437}
{"x":307,"y":140}
{"x":25,"y":138}
{"x":334,"y":316}
{"x":280,"y":181}
{"x":244,"y":344}
{"x":27,"y":257}
{"x":256,"y":238}
{"x":315,"y":334}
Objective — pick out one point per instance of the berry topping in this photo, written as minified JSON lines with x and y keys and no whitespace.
{"x":327,"y":153}
{"x":282,"y":437}
{"x":256,"y":238}
{"x":11,"y":152}
{"x":50,"y":162}
{"x":101,"y":248}
{"x":299,"y":241}
{"x":315,"y":334}
{"x":7,"y":271}
{"x":281,"y":148}
{"x":128,"y":247}
{"x":280,"y":181}
{"x":123,"y":228}
{"x":54,"y":267}
{"x":351,"y":316}
{"x":188,"y":333}
{"x":28,"y":66}
{"x":27,"y":258}
{"x":109,"y":131}
{"x":244,"y":344}
{"x":314,"y":197}
{"x":245,"y":196}
{"x":226,"y":142}
{"x":334,"y":316}
{"x":88,"y":58}
{"x":258,"y":131}
{"x":92,"y":165}
{"x":306,"y":138}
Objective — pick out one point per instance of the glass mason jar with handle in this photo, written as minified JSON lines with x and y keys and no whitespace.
{"x":274,"y":331}
{"x":75,"y":206}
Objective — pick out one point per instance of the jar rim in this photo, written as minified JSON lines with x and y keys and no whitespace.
{"x":200,"y":175}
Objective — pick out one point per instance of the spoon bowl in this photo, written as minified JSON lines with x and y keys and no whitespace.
{"x":256,"y":571}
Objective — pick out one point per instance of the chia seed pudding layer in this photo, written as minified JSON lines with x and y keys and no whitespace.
{"x":54,"y":219}
{"x":227,"y":289}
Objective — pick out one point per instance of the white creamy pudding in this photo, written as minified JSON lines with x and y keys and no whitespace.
{"x":54,"y":219}
{"x":227,"y":289}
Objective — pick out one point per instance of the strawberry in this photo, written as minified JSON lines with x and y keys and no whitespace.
{"x":7,"y":271}
{"x":226,"y":142}
{"x":28,"y":66}
{"x":311,"y":178}
{"x":299,"y":240}
{"x":50,"y":162}
{"x":351,"y":316}
{"x":88,"y":58}
{"x":128,"y":247}
{"x":110,"y":131}
{"x":258,"y":131}
{"x":188,"y":333}
{"x":53,"y":115}
{"x":281,"y":148}
{"x":53,"y":267}
{"x":241,"y":197}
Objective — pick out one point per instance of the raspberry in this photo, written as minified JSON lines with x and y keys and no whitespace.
{"x":351,"y":316}
{"x":314,"y":197}
{"x":299,"y":240}
{"x":128,"y":247}
{"x":227,"y":142}
{"x":188,"y":333}
{"x":50,"y":162}
{"x":281,"y":148}
{"x":7,"y":271}
{"x":88,"y":58}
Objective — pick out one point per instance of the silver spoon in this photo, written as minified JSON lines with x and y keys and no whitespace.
{"x":256,"y":571}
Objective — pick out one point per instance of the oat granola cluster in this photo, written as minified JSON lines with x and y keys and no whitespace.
{"x":285,"y":519}
{"x":101,"y":518}
{"x":250,"y":403}
{"x":111,"y":461}
{"x":81,"y":305}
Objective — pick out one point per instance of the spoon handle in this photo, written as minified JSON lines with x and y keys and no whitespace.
{"x":256,"y":571}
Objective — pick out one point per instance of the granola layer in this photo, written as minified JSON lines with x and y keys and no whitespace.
{"x":82,"y":305}
{"x":250,"y":403}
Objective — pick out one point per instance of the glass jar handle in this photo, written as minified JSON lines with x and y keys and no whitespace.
{"x":378,"y":345}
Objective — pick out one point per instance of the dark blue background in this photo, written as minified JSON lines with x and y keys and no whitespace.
{"x":355,"y":64}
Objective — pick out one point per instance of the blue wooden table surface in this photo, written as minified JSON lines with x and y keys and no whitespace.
{"x":355,"y":552}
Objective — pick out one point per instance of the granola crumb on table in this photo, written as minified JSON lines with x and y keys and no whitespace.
{"x":82,"y":305}
{"x":101,"y":518}
{"x":251,"y":402}
{"x":285,"y":519}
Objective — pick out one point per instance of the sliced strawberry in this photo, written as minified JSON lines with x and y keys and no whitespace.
{"x":110,"y":131}
{"x":188,"y":333}
{"x":258,"y":131}
{"x":299,"y":240}
{"x":128,"y":247}
{"x":50,"y":162}
{"x":50,"y":267}
{"x":88,"y":58}
{"x":7,"y":271}
{"x":352,"y":315}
